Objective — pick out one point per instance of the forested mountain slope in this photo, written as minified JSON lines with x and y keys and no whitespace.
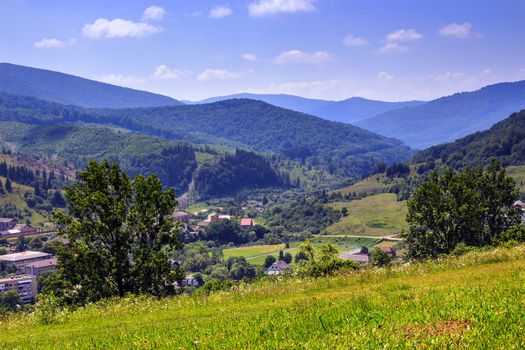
{"x":70,"y":89}
{"x":243,"y":123}
{"x":449,"y":118}
{"x":505,"y":140}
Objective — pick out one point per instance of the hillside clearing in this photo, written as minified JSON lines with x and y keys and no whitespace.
{"x":471,"y":301}
{"x":375,"y":216}
{"x":518,"y":174}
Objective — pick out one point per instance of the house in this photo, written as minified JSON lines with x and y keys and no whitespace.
{"x":7,"y":223}
{"x":247,"y":222}
{"x":19,"y":230}
{"x":278,"y":268}
{"x":357,"y":255}
{"x":390,"y":250}
{"x":25,"y":286}
{"x":20,"y":260}
{"x":520,"y":205}
{"x":38,"y":267}
{"x":190,"y":281}
{"x":181,"y":216}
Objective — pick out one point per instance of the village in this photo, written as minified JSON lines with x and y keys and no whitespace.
{"x":22,"y":269}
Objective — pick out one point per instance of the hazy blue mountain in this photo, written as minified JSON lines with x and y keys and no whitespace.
{"x":69,"y":89}
{"x":355,"y":109}
{"x":449,"y":118}
{"x":347,"y":111}
{"x":505,"y":140}
{"x":295,"y":103}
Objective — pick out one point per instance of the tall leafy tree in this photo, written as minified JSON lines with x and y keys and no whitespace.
{"x":471,"y":207}
{"x":119,"y":236}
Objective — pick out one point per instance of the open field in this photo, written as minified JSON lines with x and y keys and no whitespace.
{"x":375,"y":216}
{"x":475,"y":301}
{"x":196,"y":208}
{"x":251,"y":251}
{"x":257,"y":254}
{"x":371,"y":184}
{"x":518,"y":173}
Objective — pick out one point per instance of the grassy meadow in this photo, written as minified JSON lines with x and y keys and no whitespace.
{"x":518,"y":173}
{"x":474,"y":301}
{"x":16,"y":197}
{"x":258,"y":253}
{"x":375,"y":216}
{"x":371,"y":184}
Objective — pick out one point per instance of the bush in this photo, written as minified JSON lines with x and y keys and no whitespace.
{"x":215,"y":285}
{"x":515,"y":233}
{"x":380,"y":258}
{"x":462,"y":249}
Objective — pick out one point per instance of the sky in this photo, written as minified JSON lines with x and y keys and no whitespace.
{"x":326,"y":49}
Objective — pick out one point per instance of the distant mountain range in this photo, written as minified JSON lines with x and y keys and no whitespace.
{"x":505,"y":141}
{"x":69,"y":89}
{"x":449,"y":118}
{"x":349,"y":111}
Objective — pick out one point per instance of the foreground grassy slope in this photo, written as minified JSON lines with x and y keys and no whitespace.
{"x":378,"y":215}
{"x":475,"y":301}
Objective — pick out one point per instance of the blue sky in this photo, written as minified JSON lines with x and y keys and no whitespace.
{"x":329,"y":49}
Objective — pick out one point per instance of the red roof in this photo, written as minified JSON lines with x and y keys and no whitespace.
{"x":246,"y":222}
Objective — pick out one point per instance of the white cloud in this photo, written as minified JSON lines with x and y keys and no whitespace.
{"x":522,"y":71}
{"x":460,"y":31}
{"x":217,"y":74}
{"x":351,"y":40}
{"x":393,"y":48}
{"x":117,"y":79}
{"x":384,"y":76}
{"x":486,"y":71}
{"x":220,"y":12}
{"x":448,"y":76}
{"x":297,"y":56}
{"x":249,"y":57}
{"x":269,"y":7}
{"x":153,"y":13}
{"x":118,"y":28}
{"x":165,"y":73}
{"x":53,"y":43}
{"x":404,"y":35}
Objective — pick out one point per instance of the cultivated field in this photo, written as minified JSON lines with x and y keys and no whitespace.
{"x":475,"y":301}
{"x":257,"y":254}
{"x":378,"y":215}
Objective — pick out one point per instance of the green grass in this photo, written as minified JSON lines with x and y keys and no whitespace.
{"x":518,"y":173}
{"x":256,"y":255}
{"x":16,"y":197}
{"x":371,"y":184}
{"x":252,"y":251}
{"x":476,"y":301}
{"x":378,"y":215}
{"x":196,"y":208}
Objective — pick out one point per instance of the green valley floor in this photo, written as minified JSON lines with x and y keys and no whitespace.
{"x":474,"y":301}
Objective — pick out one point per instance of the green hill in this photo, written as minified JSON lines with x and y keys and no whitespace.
{"x":505,"y":141}
{"x":173,"y":162}
{"x":449,"y":118}
{"x":70,"y":89}
{"x":256,"y":125}
{"x":474,"y":301}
